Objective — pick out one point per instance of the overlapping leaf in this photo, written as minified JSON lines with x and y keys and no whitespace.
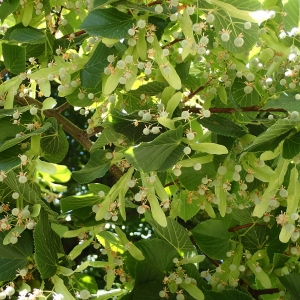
{"x":54,"y":144}
{"x":212,"y":237}
{"x":92,"y":72}
{"x":276,"y":132}
{"x":18,"y":140}
{"x":14,"y":257}
{"x":14,"y":58}
{"x":47,"y":246}
{"x":108,"y":23}
{"x":96,"y":167}
{"x":160,"y":154}
{"x":222,"y":126}
{"x":174,"y":234}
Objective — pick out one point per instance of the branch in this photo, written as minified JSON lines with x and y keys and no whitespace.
{"x":231,"y":110}
{"x":57,"y":20}
{"x":233,"y":229}
{"x":77,"y":33}
{"x":3,"y":73}
{"x":81,"y":136}
{"x":62,"y":107}
{"x":171,"y":43}
{"x":154,"y":3}
{"x":199,"y":89}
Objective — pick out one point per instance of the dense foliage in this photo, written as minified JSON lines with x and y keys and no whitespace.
{"x":191,"y":125}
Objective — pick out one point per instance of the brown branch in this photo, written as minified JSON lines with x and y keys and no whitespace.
{"x":231,"y":110}
{"x":61,"y":108}
{"x":57,"y":21}
{"x":233,"y":229}
{"x":199,"y":89}
{"x":171,"y":43}
{"x":77,"y":33}
{"x":172,"y":183}
{"x":154,"y":3}
{"x":81,"y":136}
{"x":3,"y":73}
{"x":257,"y":293}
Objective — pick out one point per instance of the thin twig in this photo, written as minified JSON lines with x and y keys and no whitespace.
{"x":171,"y":43}
{"x":198,"y":90}
{"x":232,"y":110}
{"x":3,"y":73}
{"x":233,"y":229}
{"x":57,"y":20}
{"x":78,"y":134}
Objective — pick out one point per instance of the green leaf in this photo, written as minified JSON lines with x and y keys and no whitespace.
{"x":84,"y":282}
{"x":96,"y":167}
{"x":189,"y":207}
{"x":211,"y":148}
{"x":155,"y":264}
{"x":76,"y":202}
{"x":29,"y":195}
{"x":173,"y":233}
{"x":291,"y":283}
{"x":212,"y":237}
{"x":225,"y":21}
{"x":7,"y":7}
{"x":285,"y":101}
{"x":28,"y":35}
{"x":255,"y":238}
{"x":279,"y":260}
{"x":226,"y":295}
{"x":153,"y":155}
{"x":109,"y":23}
{"x":54,"y":144}
{"x":276,"y":132}
{"x":291,"y":146}
{"x":149,"y":89}
{"x":14,"y":256}
{"x":16,"y":141}
{"x":273,"y":244}
{"x":47,"y":245}
{"x":92,"y":72}
{"x":222,"y":126}
{"x":292,"y":17}
{"x":152,"y":287}
{"x":240,"y":97}
{"x":14,"y":58}
{"x":107,"y":136}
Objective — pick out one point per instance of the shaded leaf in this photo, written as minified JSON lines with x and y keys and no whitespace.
{"x":255,"y":238}
{"x":291,"y":146}
{"x":30,"y":196}
{"x":173,"y":233}
{"x":47,"y":245}
{"x":54,"y":144}
{"x":18,"y":140}
{"x":28,"y":35}
{"x":96,"y":167}
{"x":14,"y":256}
{"x":107,"y":136}
{"x":109,"y":23}
{"x":14,"y":58}
{"x":291,"y":283}
{"x":153,"y":155}
{"x":285,"y":101}
{"x":92,"y":72}
{"x":222,"y":126}
{"x":276,"y":132}
{"x":213,"y":238}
